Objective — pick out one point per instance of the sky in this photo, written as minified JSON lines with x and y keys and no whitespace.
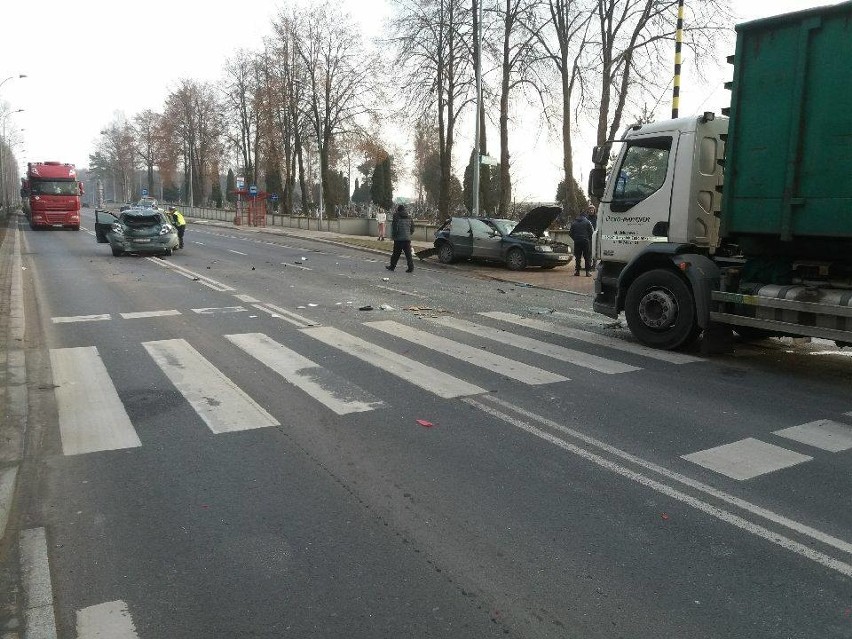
{"x":88,"y":61}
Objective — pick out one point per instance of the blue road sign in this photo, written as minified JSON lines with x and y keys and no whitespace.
{"x":253,"y":190}
{"x":144,"y":192}
{"x":274,"y":197}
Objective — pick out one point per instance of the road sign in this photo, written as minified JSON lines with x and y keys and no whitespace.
{"x":274,"y":197}
{"x":241,"y":183}
{"x":253,"y":190}
{"x":144,"y":192}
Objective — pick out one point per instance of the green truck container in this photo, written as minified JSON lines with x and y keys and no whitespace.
{"x":788,"y":157}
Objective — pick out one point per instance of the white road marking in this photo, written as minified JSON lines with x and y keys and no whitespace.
{"x":38,"y":592}
{"x":746,"y":459}
{"x":248,"y":299}
{"x":199,"y":243}
{"x":81,"y":318}
{"x":287,"y":316}
{"x":472,"y":355}
{"x":752,"y":509}
{"x":144,"y":314}
{"x":569,"y":355}
{"x":91,"y":415}
{"x":216,"y":399}
{"x":237,"y":252}
{"x":413,"y":372}
{"x":333,"y":391}
{"x":221,"y":310}
{"x":824,"y":433}
{"x":110,"y":620}
{"x":592,"y":338}
{"x":723,"y":515}
{"x":191,"y":275}
{"x":8,"y":476}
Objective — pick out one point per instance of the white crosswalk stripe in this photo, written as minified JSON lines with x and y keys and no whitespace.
{"x":575,"y":357}
{"x":107,"y":620}
{"x":91,"y":414}
{"x":331,"y":390}
{"x":216,"y":399}
{"x":592,"y":338}
{"x":426,"y":377}
{"x":746,"y":459}
{"x":825,"y":434}
{"x":478,"y":357}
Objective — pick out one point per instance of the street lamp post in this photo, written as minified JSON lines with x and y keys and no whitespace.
{"x":3,"y":180}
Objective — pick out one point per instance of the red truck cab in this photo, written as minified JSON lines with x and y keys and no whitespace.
{"x":51,"y":194}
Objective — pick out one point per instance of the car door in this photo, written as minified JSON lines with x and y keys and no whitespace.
{"x":103,"y":223}
{"x":486,"y":240}
{"x":461,"y":237}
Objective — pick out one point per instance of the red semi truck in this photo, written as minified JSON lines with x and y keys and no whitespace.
{"x":51,"y":195}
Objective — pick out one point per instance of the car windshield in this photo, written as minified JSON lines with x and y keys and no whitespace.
{"x":504,"y":226}
{"x":135,"y":220}
{"x":54,"y":187}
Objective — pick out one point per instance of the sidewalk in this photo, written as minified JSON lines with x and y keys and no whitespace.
{"x":558,"y":279}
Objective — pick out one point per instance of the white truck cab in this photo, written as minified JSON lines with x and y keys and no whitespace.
{"x":663,"y":188}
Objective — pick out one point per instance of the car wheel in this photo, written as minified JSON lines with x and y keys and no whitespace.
{"x":660,"y":310}
{"x":516,"y":260}
{"x":117,"y":252}
{"x":446,"y":253}
{"x":167,"y":252}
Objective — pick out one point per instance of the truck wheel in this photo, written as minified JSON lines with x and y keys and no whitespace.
{"x":660,"y":310}
{"x":516,"y":260}
{"x":446,"y":253}
{"x":117,"y":252}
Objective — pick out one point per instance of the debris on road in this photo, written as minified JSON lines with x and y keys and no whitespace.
{"x":540,"y":310}
{"x":365,"y":308}
{"x":424,"y":423}
{"x":387,"y":307}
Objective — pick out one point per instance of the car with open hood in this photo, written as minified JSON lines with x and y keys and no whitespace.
{"x":515,"y":244}
{"x":136,"y":230}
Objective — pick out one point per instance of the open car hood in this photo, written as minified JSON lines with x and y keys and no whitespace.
{"x":537,"y":221}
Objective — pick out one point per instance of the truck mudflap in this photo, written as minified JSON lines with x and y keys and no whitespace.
{"x":704,"y":277}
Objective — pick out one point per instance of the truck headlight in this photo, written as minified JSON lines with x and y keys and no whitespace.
{"x":116,"y":228}
{"x":544,"y":248}
{"x":166,"y":229}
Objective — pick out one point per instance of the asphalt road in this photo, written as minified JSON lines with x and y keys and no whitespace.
{"x":221,"y":444}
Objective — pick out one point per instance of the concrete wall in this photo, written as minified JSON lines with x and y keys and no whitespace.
{"x":366,"y":227}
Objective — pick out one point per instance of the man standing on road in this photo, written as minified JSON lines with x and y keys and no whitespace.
{"x":179,"y":222}
{"x":581,"y":232}
{"x":402,"y":227}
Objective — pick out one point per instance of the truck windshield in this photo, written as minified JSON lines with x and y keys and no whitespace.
{"x":54,"y":187}
{"x":642,"y":172}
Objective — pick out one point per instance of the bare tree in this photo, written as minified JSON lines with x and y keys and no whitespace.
{"x":335,"y":67}
{"x":118,"y":147}
{"x":193,"y":115}
{"x":149,"y":141}
{"x":241,"y":97}
{"x":563,"y":42}
{"x":635,"y":49}
{"x":434,"y":40}
{"x":518,"y":60}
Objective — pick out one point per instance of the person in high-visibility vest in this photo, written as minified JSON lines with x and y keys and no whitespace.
{"x":179,"y":222}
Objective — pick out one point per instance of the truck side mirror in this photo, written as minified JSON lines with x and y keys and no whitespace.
{"x":600,"y":154}
{"x":597,"y":182}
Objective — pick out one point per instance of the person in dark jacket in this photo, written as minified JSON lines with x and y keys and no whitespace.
{"x":581,"y":232}
{"x":402,"y":227}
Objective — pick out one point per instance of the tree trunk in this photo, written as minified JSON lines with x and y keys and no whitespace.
{"x":567,"y":147}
